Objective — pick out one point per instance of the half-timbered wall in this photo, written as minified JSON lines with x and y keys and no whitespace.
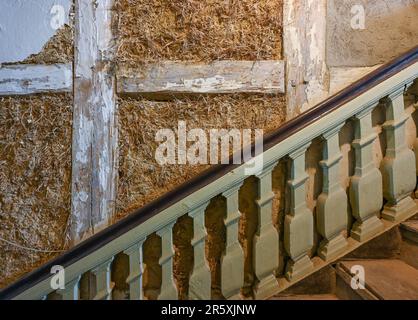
{"x":192,"y":61}
{"x":35,"y":135}
{"x":71,"y":164}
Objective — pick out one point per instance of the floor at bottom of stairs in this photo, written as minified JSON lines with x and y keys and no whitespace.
{"x":390,"y":265}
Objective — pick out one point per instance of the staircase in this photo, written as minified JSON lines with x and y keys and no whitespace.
{"x":389,"y":274}
{"x":275,"y":233}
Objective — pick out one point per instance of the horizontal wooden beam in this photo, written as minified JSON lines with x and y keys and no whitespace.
{"x":22,"y":79}
{"x":215,"y":78}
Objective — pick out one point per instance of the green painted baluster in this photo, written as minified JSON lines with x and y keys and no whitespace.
{"x":332,"y":202}
{"x":168,"y":287}
{"x":398,"y":167}
{"x":266,"y":239}
{"x":71,"y":291}
{"x":134,"y":279}
{"x":298,"y":225}
{"x":100,"y":285}
{"x":232,"y":261}
{"x":200,"y":279}
{"x":366,"y":189}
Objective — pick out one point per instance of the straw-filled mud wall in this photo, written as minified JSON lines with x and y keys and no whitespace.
{"x":35,"y":169}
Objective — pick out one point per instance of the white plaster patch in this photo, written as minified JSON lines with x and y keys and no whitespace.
{"x":26,"y":25}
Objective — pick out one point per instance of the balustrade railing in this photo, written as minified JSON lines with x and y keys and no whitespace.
{"x":378,"y":198}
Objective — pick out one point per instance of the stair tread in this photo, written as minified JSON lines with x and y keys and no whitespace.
{"x":389,"y":279}
{"x":329,"y":296}
{"x":411,"y":225}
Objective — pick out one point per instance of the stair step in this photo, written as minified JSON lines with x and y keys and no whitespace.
{"x":385,"y":279}
{"x":409,"y":245}
{"x":410,"y":230}
{"x":385,"y":246}
{"x":328,"y":296}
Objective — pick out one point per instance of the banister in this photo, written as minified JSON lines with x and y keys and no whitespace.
{"x":169,"y":204}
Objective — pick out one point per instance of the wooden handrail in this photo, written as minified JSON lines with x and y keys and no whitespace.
{"x":148,"y":211}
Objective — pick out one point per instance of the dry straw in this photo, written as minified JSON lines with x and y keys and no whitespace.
{"x":141,"y":178}
{"x":35,"y":179}
{"x":196,"y":30}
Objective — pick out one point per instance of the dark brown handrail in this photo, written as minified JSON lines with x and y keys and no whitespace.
{"x":98,"y":240}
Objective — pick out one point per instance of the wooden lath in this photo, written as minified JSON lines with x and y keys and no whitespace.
{"x":220,"y":77}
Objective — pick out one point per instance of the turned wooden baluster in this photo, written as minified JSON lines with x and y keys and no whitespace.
{"x":100,"y":285}
{"x":298,"y":225}
{"x":200,"y":279}
{"x":70,"y":292}
{"x":134,"y":279}
{"x":366,"y":189}
{"x":332,"y":202}
{"x":168,"y":287}
{"x":266,"y":239}
{"x":232,"y":261}
{"x":398,"y":167}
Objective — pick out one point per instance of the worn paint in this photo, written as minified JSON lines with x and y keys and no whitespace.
{"x":216,"y":77}
{"x":304,"y":30}
{"x":29,"y":79}
{"x":204,"y":84}
{"x":95,"y":132}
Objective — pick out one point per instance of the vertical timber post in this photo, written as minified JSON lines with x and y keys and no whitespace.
{"x":94,"y":146}
{"x":304,"y":36}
